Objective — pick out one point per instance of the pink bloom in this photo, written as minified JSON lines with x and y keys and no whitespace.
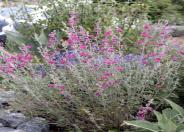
{"x":182,"y":52}
{"x":74,"y":19}
{"x":162,"y":54}
{"x":10,"y":59}
{"x":146,"y":34}
{"x":120,"y":68}
{"x":118,"y":29}
{"x":174,"y":58}
{"x":51,"y":62}
{"x":110,"y":50}
{"x":140,"y":42}
{"x":82,"y":46}
{"x":109,"y":62}
{"x":61,"y":87}
{"x":71,"y":56}
{"x":52,"y":85}
{"x":27,"y":47}
{"x":108,"y":33}
{"x":147,"y":27}
{"x":98,"y":94}
{"x":152,"y":54}
{"x":106,"y":75}
{"x":84,"y":54}
{"x":157,"y":60}
{"x":63,"y":61}
{"x":52,"y":39}
{"x":62,"y":92}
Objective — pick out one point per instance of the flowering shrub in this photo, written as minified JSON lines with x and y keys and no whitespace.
{"x":93,"y":84}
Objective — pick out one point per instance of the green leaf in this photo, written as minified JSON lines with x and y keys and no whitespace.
{"x":144,"y":124}
{"x":16,"y":37}
{"x":42,"y":38}
{"x":176,"y":107}
{"x":166,"y":124}
{"x":170,"y":113}
{"x":180,"y":128}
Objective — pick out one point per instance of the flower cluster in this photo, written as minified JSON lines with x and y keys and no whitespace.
{"x":143,"y":111}
{"x":10,"y":63}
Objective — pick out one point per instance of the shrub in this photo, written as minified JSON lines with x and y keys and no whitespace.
{"x":57,"y":13}
{"x":92,"y":83}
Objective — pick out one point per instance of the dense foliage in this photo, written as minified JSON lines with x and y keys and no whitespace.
{"x":91,"y":65}
{"x":93,"y":83}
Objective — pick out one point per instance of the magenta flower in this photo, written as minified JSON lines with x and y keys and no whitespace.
{"x":52,"y":85}
{"x":118,"y":29}
{"x":52,"y":39}
{"x":84,"y":54}
{"x":157,"y":60}
{"x":109,"y":62}
{"x":120,"y":68}
{"x":83,"y":47}
{"x":108,"y":33}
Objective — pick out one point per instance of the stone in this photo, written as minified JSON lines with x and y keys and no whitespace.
{"x":7,"y":129}
{"x":2,"y":39}
{"x":1,"y":125}
{"x":36,"y":124}
{"x":6,"y":96}
{"x":12,"y":119}
{"x":177,"y":31}
{"x":2,"y":23}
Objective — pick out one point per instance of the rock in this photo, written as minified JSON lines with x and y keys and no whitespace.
{"x":1,"y":125}
{"x":37,"y":124}
{"x":6,"y":129}
{"x":177,"y":31}
{"x":12,"y":119}
{"x":2,"y":23}
{"x":6,"y":96}
{"x":2,"y":39}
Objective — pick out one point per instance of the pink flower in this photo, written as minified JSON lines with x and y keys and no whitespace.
{"x":140,"y":42}
{"x":71,"y":56}
{"x":82,"y":46}
{"x":63,"y":61}
{"x":146,"y":34}
{"x":108,"y":33}
{"x":109,"y":62}
{"x":106,"y":75}
{"x":52,"y":85}
{"x":118,"y":29}
{"x":98,"y":94}
{"x":182,"y":52}
{"x":157,"y":60}
{"x":61,"y":87}
{"x":147,"y":26}
{"x":111,"y":49}
{"x":51,"y":62}
{"x":120,"y":68}
{"x":152,"y":54}
{"x":62,"y":92}
{"x":84,"y":54}
{"x":74,"y":19}
{"x":174,"y":58}
{"x":52,"y":39}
